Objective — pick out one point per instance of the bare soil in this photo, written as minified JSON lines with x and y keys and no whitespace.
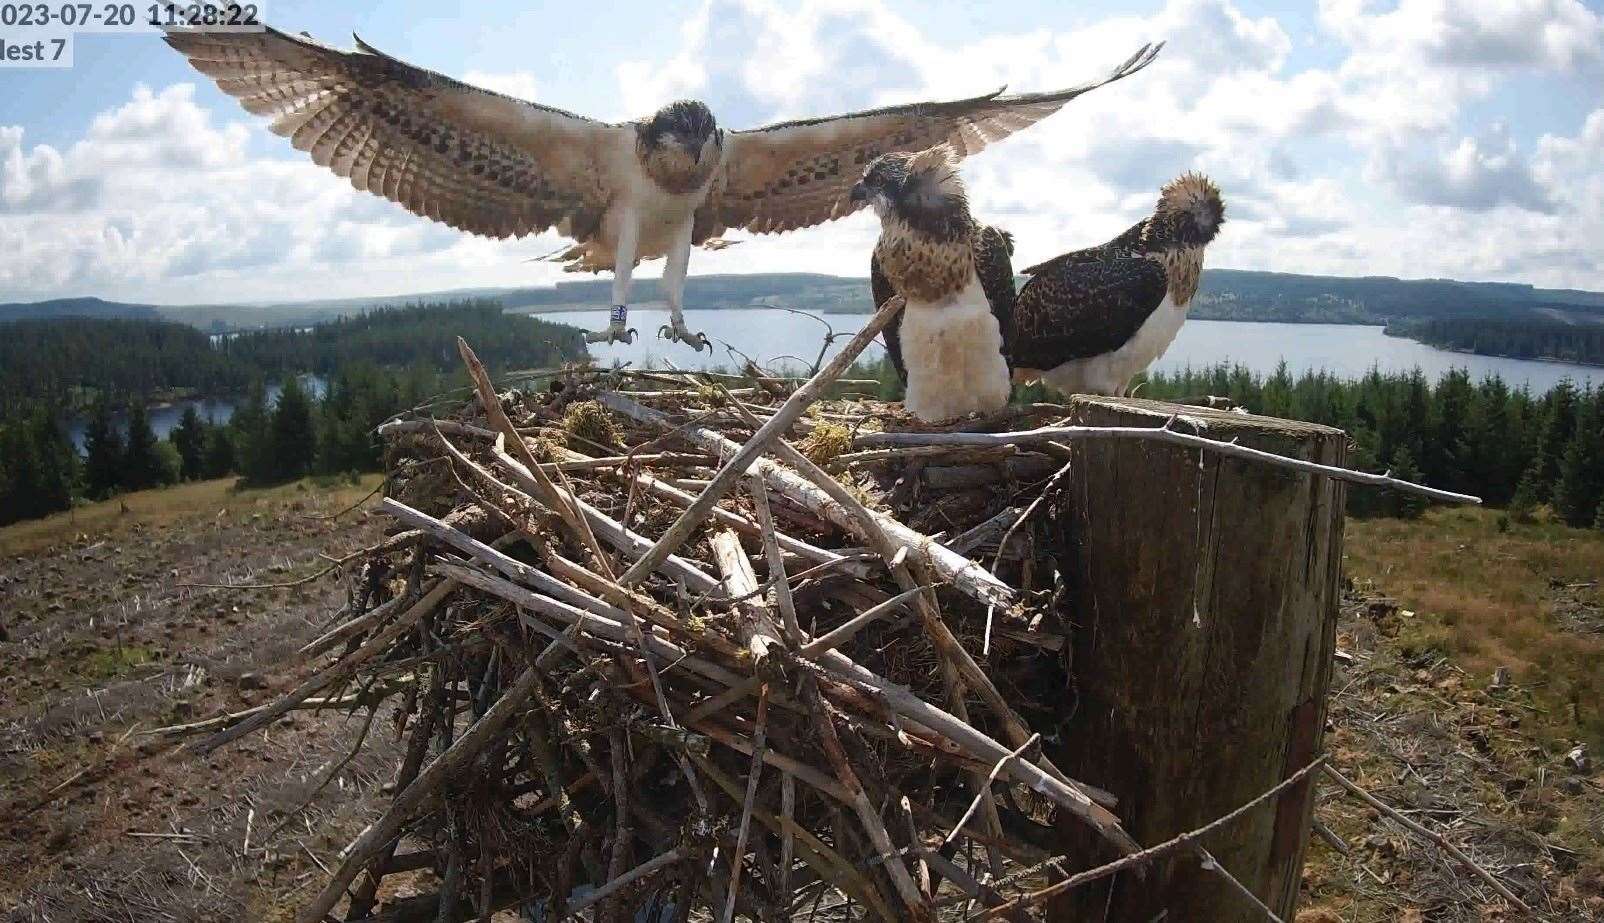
{"x":101,"y":643}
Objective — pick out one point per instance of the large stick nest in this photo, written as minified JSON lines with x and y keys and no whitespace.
{"x":622,"y":721}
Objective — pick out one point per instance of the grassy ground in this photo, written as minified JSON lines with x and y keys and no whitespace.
{"x":168,"y":506}
{"x":1437,"y":606}
{"x":1488,"y":593}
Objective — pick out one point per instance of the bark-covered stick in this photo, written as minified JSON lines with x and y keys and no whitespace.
{"x":736,"y":521}
{"x":1158,"y":434}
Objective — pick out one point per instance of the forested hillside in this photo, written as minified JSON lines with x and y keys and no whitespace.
{"x":424,"y":334}
{"x":1526,"y":338}
{"x":1231,"y":294}
{"x":1509,"y":447}
{"x":56,"y":363}
{"x":373,"y":365}
{"x":64,"y":362}
{"x":77,"y":307}
{"x":1226,"y":294}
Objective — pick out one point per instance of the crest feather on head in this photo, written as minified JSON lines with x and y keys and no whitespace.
{"x":1195,"y":202}
{"x":938,"y":166}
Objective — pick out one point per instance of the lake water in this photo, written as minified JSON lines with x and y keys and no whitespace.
{"x":164,"y":418}
{"x":1344,"y":349}
{"x":770,"y":336}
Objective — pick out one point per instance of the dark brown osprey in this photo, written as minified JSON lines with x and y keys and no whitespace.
{"x":1087,"y":322}
{"x":957,"y":279}
{"x":503,"y":167}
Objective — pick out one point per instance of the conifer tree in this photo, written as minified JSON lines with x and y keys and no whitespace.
{"x":1580,"y":483}
{"x":189,"y":438}
{"x":18,"y":487}
{"x":142,"y":464}
{"x":252,"y":447}
{"x":103,"y":452}
{"x":219,"y":461}
{"x":1406,"y":505}
{"x":291,"y":434}
{"x":58,"y":462}
{"x":1559,"y":424}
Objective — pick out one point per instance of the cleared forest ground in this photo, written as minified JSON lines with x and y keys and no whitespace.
{"x":102,"y":643}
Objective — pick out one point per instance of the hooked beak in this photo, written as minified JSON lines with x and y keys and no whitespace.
{"x":860,"y":193}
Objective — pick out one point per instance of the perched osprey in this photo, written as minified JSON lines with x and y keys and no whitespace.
{"x":1087,"y":322}
{"x":956,"y":277}
{"x":494,"y":165}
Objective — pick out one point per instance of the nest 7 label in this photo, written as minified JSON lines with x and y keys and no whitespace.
{"x":34,"y":50}
{"x":41,"y":34}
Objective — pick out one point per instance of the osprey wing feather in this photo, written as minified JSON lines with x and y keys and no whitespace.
{"x":471,"y":158}
{"x":797,"y":174}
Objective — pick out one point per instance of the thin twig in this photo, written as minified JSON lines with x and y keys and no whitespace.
{"x":1431,"y":835}
{"x":1159,"y":434}
{"x":1146,"y":856}
{"x":759,"y":743}
{"x":789,"y":412}
{"x":980,"y":795}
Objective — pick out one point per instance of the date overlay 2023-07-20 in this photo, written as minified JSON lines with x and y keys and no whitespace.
{"x":42,"y":34}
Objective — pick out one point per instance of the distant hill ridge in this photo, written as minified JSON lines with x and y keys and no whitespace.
{"x":1226,"y":294}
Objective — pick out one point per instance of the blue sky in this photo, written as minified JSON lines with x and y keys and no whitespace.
{"x":1419,"y":138}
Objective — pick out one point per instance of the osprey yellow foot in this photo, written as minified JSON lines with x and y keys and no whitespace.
{"x":615,"y":333}
{"x":675,"y":329}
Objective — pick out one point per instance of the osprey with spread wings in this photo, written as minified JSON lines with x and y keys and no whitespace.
{"x":491,"y":164}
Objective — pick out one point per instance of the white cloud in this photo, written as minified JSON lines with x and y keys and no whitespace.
{"x":1363,"y":162}
{"x":158,"y":201}
{"x":1476,"y":174}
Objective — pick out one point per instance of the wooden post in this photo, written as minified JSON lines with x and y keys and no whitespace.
{"x":1203,"y":596}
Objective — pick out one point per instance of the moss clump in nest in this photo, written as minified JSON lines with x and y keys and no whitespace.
{"x":826,"y":442}
{"x":541,"y":448}
{"x":589,"y":423}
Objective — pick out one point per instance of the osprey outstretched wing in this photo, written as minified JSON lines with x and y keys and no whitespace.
{"x":797,"y":174}
{"x":471,"y":158}
{"x":490,"y":164}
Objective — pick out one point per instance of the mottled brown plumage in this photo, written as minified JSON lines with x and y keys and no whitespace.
{"x":990,"y":254}
{"x":933,"y":253}
{"x":1091,"y":319}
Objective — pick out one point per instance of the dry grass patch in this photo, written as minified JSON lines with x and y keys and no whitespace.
{"x":1488,"y":593}
{"x":168,"y":506}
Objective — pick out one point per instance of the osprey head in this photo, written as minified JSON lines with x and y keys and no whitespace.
{"x":1190,"y":211}
{"x":922,"y":189}
{"x":687,"y":125}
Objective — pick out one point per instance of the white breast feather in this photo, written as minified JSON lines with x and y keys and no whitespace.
{"x":953,"y":352}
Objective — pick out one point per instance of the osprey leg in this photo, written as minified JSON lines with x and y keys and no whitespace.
{"x":679,"y":260}
{"x":618,"y":329}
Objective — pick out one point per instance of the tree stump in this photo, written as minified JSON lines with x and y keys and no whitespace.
{"x":1202,"y":596}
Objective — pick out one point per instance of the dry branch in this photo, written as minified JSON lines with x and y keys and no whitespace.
{"x":954,"y":568}
{"x":789,"y":412}
{"x":1049,"y":434}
